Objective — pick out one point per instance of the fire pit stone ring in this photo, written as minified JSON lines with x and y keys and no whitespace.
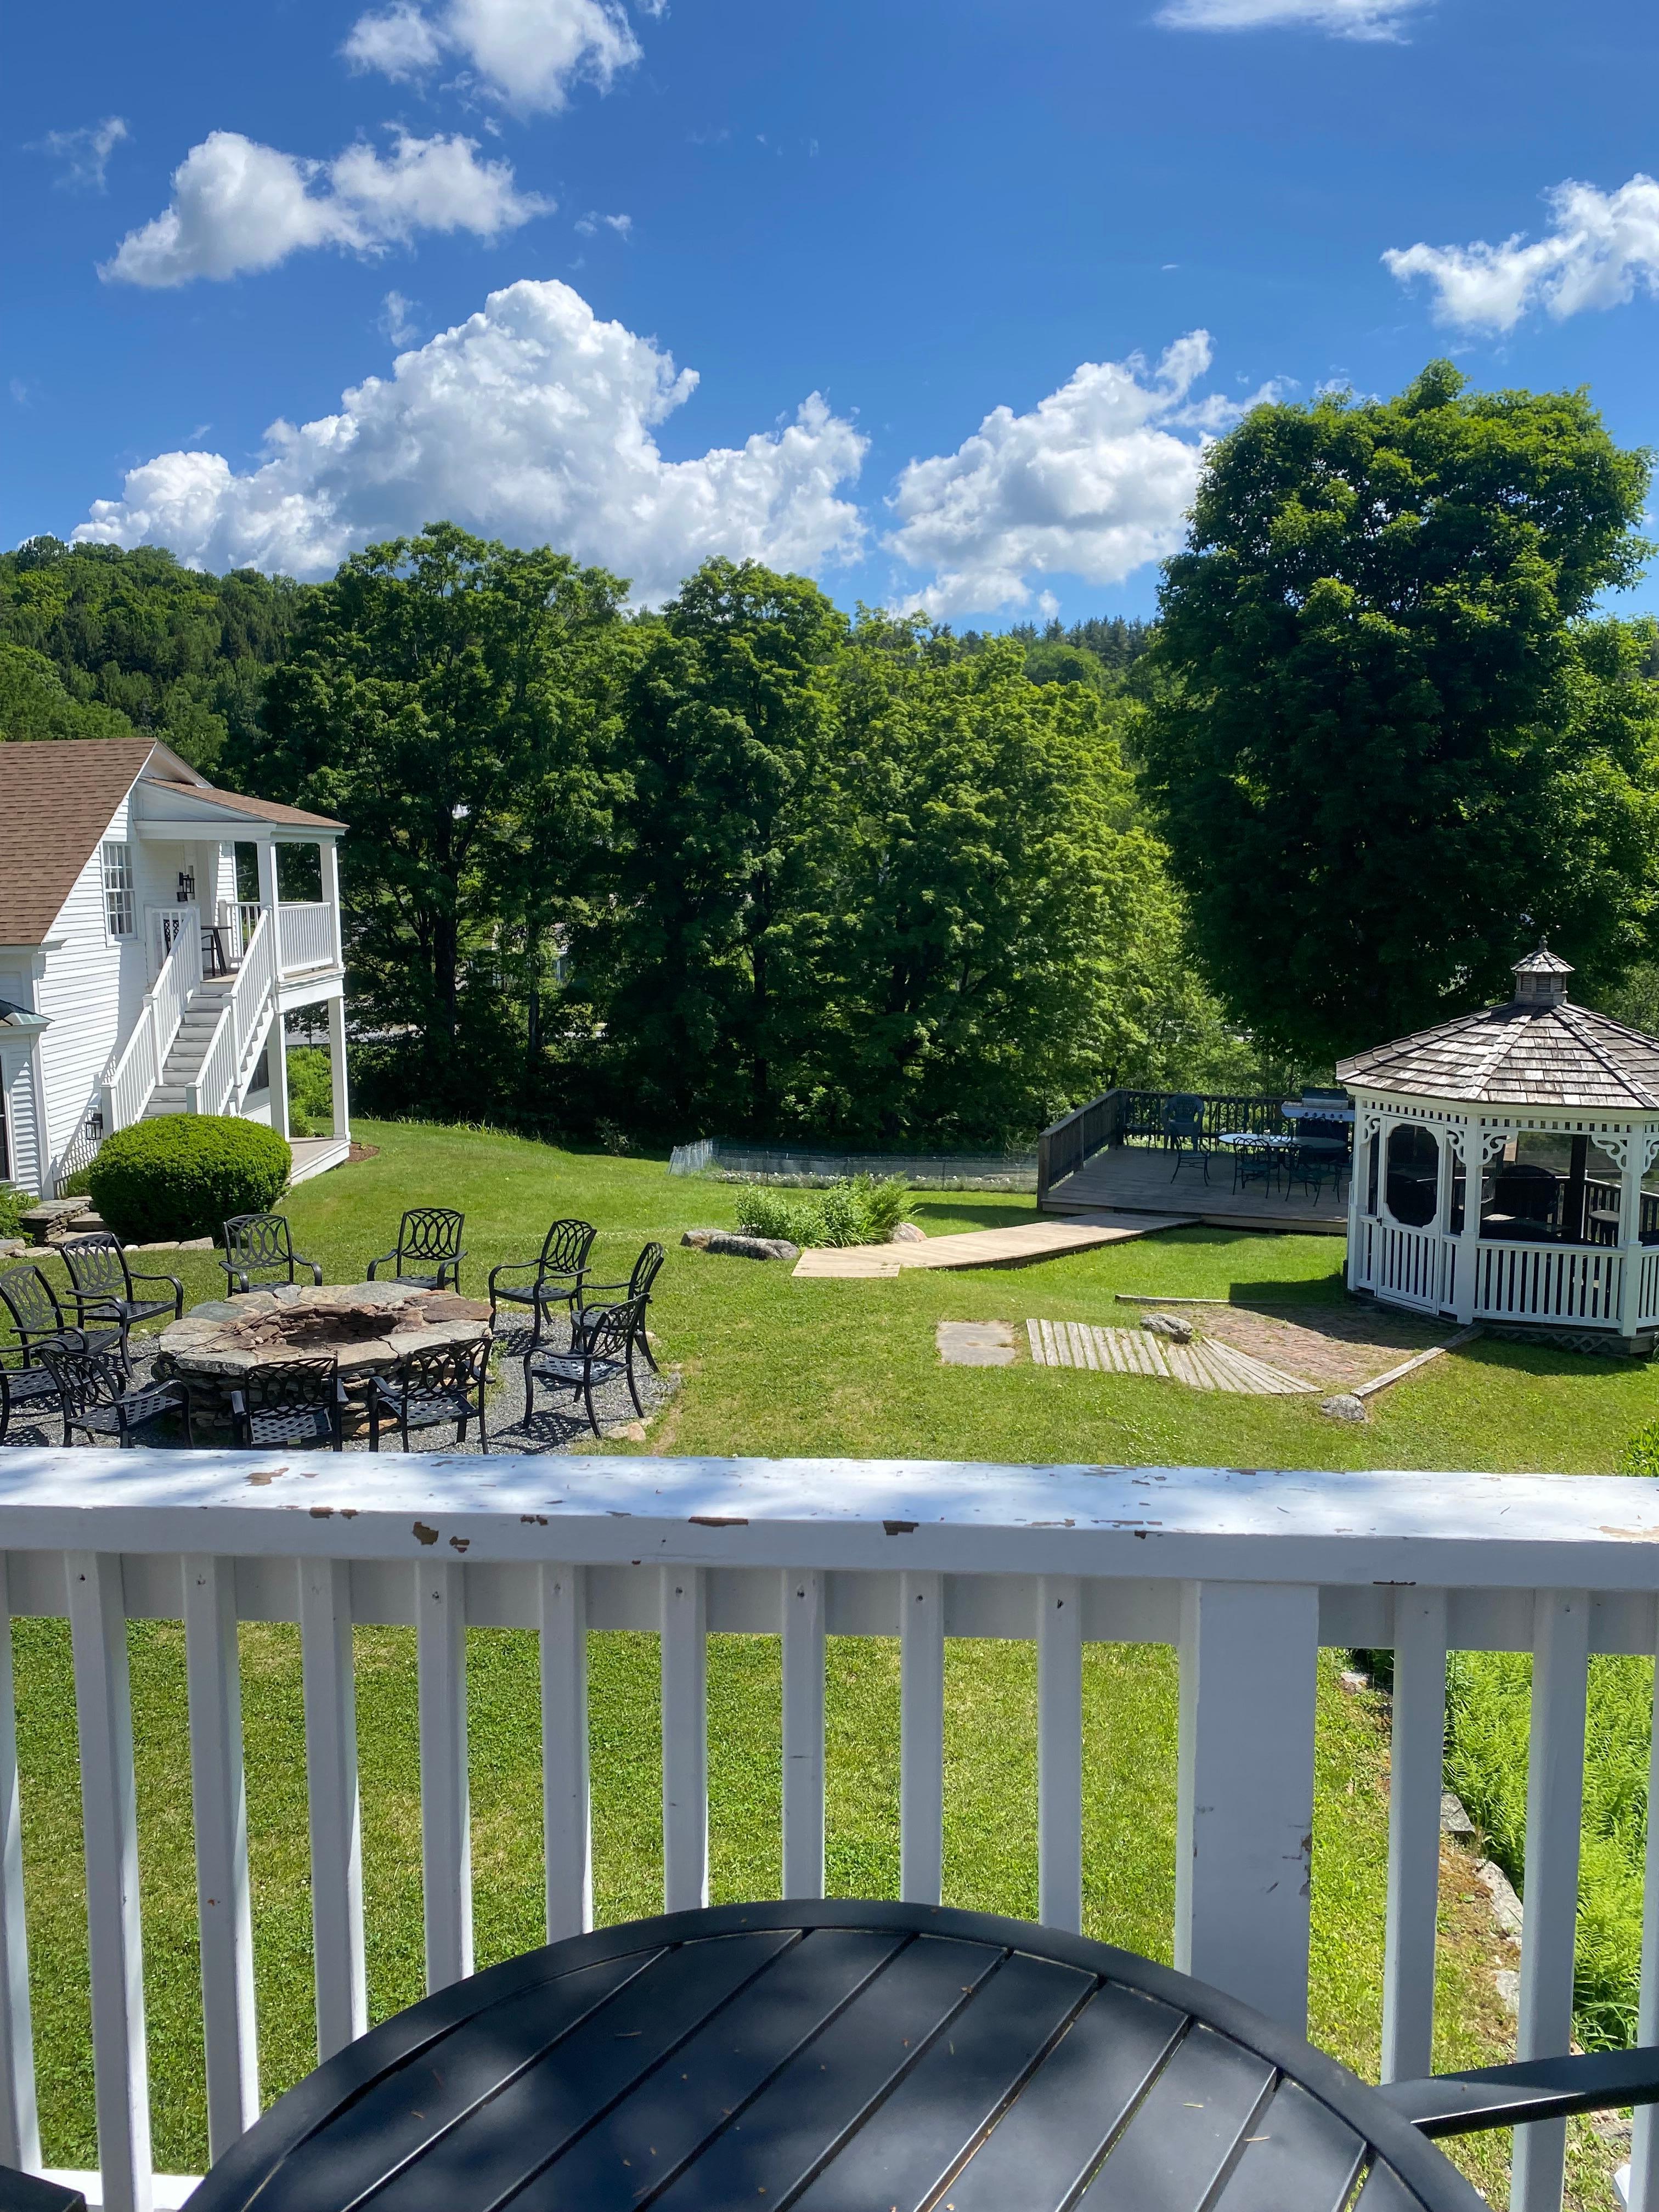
{"x":367,"y":1327}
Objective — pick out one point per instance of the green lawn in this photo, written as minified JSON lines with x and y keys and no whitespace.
{"x":773,"y":1365}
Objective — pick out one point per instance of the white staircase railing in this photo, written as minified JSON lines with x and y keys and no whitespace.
{"x":307,"y":938}
{"x":253,"y":993}
{"x":214,"y":1089}
{"x":130,"y":1084}
{"x":1247,"y":1575}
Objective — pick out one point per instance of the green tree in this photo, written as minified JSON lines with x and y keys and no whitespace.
{"x":728,"y":731}
{"x":448,"y":699}
{"x":34,"y":702}
{"x":1389,"y":743}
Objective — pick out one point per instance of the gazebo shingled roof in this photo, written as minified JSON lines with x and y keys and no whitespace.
{"x":1537,"y":1050}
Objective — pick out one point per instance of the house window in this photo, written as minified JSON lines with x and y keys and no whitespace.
{"x":118,"y":889}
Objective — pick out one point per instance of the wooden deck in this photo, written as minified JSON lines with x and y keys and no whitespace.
{"x":1136,"y":1179}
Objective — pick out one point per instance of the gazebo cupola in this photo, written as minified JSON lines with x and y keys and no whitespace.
{"x":1503,"y":1168}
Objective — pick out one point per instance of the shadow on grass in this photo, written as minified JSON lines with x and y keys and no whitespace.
{"x":958,"y":1207}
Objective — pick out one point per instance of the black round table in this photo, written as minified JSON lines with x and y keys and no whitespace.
{"x":837,"y":2058}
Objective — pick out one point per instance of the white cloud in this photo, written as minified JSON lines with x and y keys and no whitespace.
{"x":1343,"y":19}
{"x":84,"y":153}
{"x":526,"y":54}
{"x":589,"y":223}
{"x":533,"y":421}
{"x":1601,"y":248}
{"x":238,"y":205}
{"x":1093,"y":482}
{"x":396,"y":319}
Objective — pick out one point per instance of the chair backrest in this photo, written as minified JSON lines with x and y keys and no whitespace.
{"x":606,"y":1329}
{"x":429,"y":1232}
{"x":1184,"y":1114}
{"x":646,"y":1268}
{"x":258,"y":1240}
{"x":440,"y":1367}
{"x":291,"y":1386}
{"x":97,"y":1265}
{"x":32,"y":1303}
{"x":84,"y":1379}
{"x":566,"y":1246}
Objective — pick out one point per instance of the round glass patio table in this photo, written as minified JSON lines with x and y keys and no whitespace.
{"x":835,"y":2056}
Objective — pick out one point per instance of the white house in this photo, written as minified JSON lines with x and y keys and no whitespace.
{"x":133,"y":979}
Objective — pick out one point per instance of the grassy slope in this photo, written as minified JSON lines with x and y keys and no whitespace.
{"x":777,"y":1366}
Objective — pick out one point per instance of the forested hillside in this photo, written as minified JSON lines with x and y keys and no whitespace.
{"x":97,"y":642}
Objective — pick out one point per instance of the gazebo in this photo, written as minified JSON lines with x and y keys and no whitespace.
{"x":1502,"y":1169}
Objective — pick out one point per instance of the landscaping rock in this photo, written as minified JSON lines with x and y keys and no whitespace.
{"x":1507,"y":1908}
{"x":49,"y":1216}
{"x":1344,"y":1406}
{"x":1454,"y":1821}
{"x":176,"y":1244}
{"x":1170,"y":1325}
{"x":752,"y":1248}
{"x":698,"y":1239}
{"x":908,"y":1233}
{"x":11,"y":1246}
{"x":975,"y":1343}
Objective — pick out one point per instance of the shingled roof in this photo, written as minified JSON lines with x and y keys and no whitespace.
{"x":1537,"y":1050}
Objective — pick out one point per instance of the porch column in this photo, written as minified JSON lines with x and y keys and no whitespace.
{"x":1468,"y":1242}
{"x":328,"y":860}
{"x":1630,"y":1230}
{"x":266,"y":854}
{"x":337,"y":1060}
{"x":276,"y":1068}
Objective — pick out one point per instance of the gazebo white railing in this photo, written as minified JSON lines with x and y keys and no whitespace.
{"x":1246,"y":1574}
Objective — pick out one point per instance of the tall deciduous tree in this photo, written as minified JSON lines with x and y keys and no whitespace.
{"x":1389,"y":743}
{"x":448,"y":698}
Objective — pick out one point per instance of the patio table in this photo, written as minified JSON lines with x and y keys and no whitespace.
{"x":836,"y":2056}
{"x":1239,"y":1140}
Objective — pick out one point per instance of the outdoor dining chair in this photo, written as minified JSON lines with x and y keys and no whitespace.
{"x":1183,"y":1130}
{"x":646,"y":1268}
{"x":262,"y":1244}
{"x":99,"y":1397}
{"x":26,"y":2192}
{"x":101,"y":1275}
{"x":291,"y":1403}
{"x":38,"y":1317}
{"x":27,"y":1386}
{"x":601,"y":1351}
{"x":427,"y":1388}
{"x":429,"y":1236}
{"x":557,"y":1275}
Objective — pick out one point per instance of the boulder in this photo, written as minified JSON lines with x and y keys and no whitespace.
{"x":908,"y":1233}
{"x":1344,"y":1406}
{"x":698,"y":1239}
{"x":752,"y":1248}
{"x":1170,"y":1325}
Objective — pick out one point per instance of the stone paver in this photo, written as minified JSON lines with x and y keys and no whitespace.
{"x":976,"y":1343}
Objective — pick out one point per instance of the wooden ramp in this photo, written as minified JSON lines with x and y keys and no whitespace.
{"x":985,"y":1247}
{"x":1206,"y":1367}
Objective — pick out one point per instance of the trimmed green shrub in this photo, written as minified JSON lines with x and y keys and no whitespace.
{"x":184,"y":1175}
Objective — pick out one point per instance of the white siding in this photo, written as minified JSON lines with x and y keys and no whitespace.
{"x":92,"y":989}
{"x":17,"y":1086}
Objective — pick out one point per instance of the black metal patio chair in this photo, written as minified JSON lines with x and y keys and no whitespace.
{"x":100,"y":1273}
{"x":558,"y":1275}
{"x":293,"y":1402}
{"x":1255,"y":1164}
{"x":637,"y":1290}
{"x":38,"y":1316}
{"x":100,"y":1398}
{"x":26,"y":2192}
{"x":429,"y":1234}
{"x":27,"y":1386}
{"x":601,"y":1351}
{"x":426,"y":1388}
{"x":1183,"y":1130}
{"x":262,"y":1244}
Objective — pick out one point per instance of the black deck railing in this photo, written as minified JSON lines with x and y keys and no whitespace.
{"x":1137,"y":1117}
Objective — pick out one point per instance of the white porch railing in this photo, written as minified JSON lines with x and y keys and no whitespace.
{"x":1416,"y":1267}
{"x":1548,"y":1282}
{"x":1246,"y":1574}
{"x":307,"y":938}
{"x":252,"y":995}
{"x":128,"y":1086}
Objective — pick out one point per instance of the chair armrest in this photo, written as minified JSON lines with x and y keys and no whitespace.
{"x":512,"y":1267}
{"x":586,"y":1286}
{"x":178,"y":1287}
{"x":1536,"y":2089}
{"x":384,"y":1259}
{"x":316,"y":1271}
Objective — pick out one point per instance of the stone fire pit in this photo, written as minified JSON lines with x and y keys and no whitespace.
{"x":367,"y":1327}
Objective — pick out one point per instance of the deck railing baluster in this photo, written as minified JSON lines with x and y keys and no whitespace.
{"x":567,"y":1818}
{"x":684,"y":1739}
{"x":803,"y":1732}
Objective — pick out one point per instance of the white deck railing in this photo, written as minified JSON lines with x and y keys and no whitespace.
{"x":252,"y":995}
{"x":307,"y":938}
{"x":130,"y":1082}
{"x":1246,"y":1574}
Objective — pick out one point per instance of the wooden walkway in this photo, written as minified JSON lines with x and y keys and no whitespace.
{"x":983,"y":1247}
{"x":1206,"y":1367}
{"x":1134,"y":1178}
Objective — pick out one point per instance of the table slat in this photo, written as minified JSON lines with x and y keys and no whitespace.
{"x":1054,"y":2132}
{"x":1181,"y":2136}
{"x":953,"y":2092}
{"x":1300,"y":2154}
{"x":811,"y":2105}
{"x":513,"y":2135}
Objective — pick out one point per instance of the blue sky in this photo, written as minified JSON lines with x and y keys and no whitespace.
{"x":862,"y":230}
